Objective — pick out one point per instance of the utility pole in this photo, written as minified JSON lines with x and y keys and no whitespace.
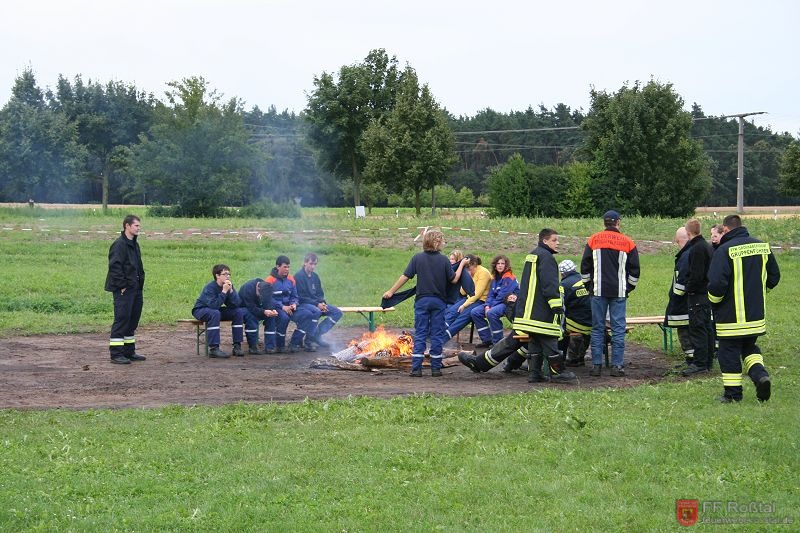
{"x":740,"y":160}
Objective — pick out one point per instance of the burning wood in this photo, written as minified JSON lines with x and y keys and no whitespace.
{"x":379,"y":349}
{"x":376,"y":345}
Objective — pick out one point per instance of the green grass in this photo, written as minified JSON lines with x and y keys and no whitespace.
{"x":601,"y":460}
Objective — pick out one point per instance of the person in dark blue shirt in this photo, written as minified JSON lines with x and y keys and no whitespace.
{"x":312,"y":299}
{"x":433,"y":273}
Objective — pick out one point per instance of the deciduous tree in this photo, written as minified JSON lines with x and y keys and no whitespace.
{"x":340,"y":108}
{"x":412,"y":147}
{"x":643,"y":158}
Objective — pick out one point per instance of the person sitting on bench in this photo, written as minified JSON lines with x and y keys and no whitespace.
{"x":219,"y":301}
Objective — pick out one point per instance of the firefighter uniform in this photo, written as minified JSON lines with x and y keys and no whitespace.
{"x":742,"y":270}
{"x":577,"y":313}
{"x":677,"y":313}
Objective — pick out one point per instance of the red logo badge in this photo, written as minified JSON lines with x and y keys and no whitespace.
{"x":686,"y":511}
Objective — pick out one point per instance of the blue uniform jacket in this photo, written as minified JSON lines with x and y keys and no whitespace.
{"x":254,"y":303}
{"x":284,"y":290}
{"x":213,"y":297}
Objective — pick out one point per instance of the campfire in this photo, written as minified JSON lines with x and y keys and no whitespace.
{"x":378,"y":349}
{"x":378,"y":344}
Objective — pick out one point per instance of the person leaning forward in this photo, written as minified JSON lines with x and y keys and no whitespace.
{"x":610,"y":270}
{"x":125,"y":280}
{"x":256,"y":296}
{"x":742,"y":270}
{"x":220,"y":301}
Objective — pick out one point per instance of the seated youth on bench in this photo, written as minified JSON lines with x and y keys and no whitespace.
{"x":219,"y":301}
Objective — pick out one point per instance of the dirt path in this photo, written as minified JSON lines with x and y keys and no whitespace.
{"x":72,"y":371}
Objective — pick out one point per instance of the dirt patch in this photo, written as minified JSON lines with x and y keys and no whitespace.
{"x":73,"y":371}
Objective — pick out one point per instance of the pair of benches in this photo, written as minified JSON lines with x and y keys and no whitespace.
{"x":367,"y":312}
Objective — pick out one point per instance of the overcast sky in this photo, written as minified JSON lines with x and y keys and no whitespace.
{"x":728,"y":56}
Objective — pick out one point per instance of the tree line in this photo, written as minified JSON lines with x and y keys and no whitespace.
{"x":373,"y":134}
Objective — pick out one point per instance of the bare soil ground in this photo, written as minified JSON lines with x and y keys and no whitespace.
{"x":74,"y":372}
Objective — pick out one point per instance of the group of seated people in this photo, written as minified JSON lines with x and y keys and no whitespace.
{"x":493,"y":298}
{"x":274,"y":301}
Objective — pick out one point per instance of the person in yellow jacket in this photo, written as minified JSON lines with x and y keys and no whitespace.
{"x":458,"y":314}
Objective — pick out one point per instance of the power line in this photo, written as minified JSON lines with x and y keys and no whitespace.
{"x":515,"y":131}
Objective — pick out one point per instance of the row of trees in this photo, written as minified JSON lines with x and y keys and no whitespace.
{"x":372,"y":134}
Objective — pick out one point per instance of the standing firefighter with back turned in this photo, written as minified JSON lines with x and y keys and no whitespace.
{"x":742,"y":270}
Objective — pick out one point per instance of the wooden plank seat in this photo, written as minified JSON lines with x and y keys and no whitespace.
{"x":367,"y":312}
{"x":200,"y":331}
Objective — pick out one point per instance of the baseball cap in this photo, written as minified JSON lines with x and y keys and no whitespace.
{"x":611,"y":215}
{"x":566,"y":266}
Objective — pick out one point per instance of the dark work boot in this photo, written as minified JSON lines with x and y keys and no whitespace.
{"x":535,"y":368}
{"x":215,"y":353}
{"x":557,"y":371}
{"x":762,"y":381}
{"x":514,"y":362}
{"x":237,"y":349}
{"x":575,"y":351}
{"x":476,"y":363}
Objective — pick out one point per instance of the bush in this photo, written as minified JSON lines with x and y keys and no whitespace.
{"x":266,"y":208}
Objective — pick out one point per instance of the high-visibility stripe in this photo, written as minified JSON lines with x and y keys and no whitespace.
{"x":489,"y":359}
{"x":578,"y":328}
{"x":756,"y":327}
{"x":116,"y":342}
{"x":532,"y":282}
{"x":750,"y":360}
{"x":714,"y":299}
{"x":213,"y":327}
{"x":731,"y":380}
{"x":738,"y":291}
{"x":554,"y":302}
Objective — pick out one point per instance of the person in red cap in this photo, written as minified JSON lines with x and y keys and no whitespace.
{"x":610,"y":270}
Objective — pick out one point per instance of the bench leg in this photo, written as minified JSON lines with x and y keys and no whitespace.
{"x":371,"y":321}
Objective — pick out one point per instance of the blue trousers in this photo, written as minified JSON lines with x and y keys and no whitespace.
{"x":456,"y":321}
{"x":251,"y":326}
{"x":323,"y":321}
{"x":428,"y":322}
{"x":275,"y":327}
{"x":489,"y":323}
{"x":212,"y":318}
{"x":615,"y":307}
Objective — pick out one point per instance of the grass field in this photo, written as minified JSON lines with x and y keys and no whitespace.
{"x":602,"y":460}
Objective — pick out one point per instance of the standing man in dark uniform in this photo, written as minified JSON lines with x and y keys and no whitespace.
{"x":701,"y":331}
{"x":125,"y":280}
{"x":742,"y":270}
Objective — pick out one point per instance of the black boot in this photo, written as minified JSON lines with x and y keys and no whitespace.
{"x":557,"y":370}
{"x":476,"y":363}
{"x":535,"y":368}
{"x":514,"y":362}
{"x":762,"y":381}
{"x":576,"y":350}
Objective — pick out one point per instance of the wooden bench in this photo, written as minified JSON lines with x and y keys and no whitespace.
{"x":629,"y":323}
{"x":666,"y":331}
{"x":367,"y":312}
{"x":200,"y":331}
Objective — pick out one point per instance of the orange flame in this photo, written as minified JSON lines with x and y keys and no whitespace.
{"x":384,"y":343}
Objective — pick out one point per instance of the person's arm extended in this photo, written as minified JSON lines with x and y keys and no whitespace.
{"x":397,"y":284}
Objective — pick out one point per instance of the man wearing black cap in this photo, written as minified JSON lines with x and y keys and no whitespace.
{"x":610,"y":270}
